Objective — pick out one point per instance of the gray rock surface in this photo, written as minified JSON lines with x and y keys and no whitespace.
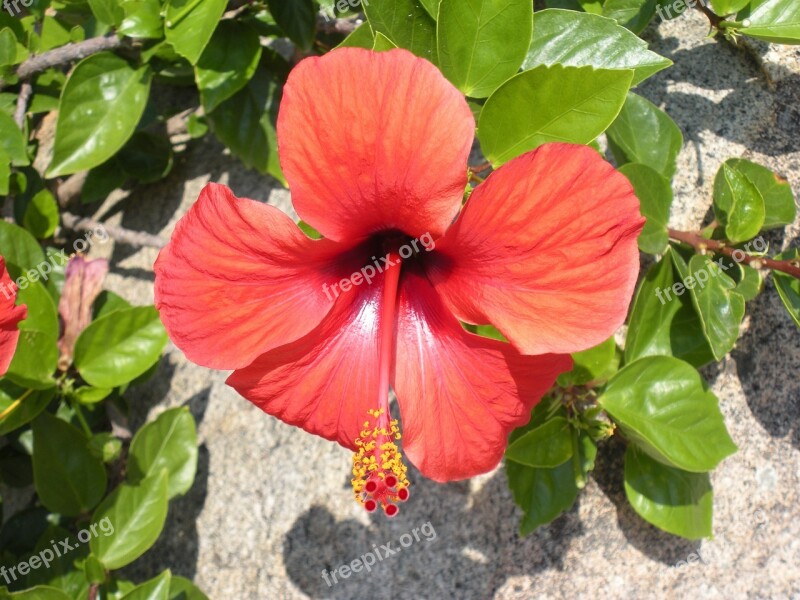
{"x":271,"y":507}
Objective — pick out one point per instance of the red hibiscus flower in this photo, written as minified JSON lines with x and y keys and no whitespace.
{"x":375,"y":148}
{"x":10,"y":316}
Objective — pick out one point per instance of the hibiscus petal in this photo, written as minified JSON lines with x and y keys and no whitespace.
{"x":10,"y":316}
{"x":374,"y":141}
{"x":239,"y":278}
{"x":460,"y":394}
{"x":326,"y":381}
{"x":544,"y":250}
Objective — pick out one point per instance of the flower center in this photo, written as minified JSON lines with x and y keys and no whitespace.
{"x":379,"y":475}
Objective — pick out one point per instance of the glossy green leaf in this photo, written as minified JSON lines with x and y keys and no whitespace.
{"x":41,"y":215}
{"x":190,"y":25}
{"x":632,"y":14}
{"x":169,"y":442}
{"x":663,"y":321}
{"x":42,"y":314}
{"x":678,"y":502}
{"x":105,"y":446}
{"x":655,"y":198}
{"x":109,"y":12}
{"x":155,"y":589}
{"x":120,"y":346}
{"x":543,"y":494}
{"x":779,"y":204}
{"x":577,"y":39}
{"x":87,"y":394}
{"x":69,"y":479}
{"x":298,"y":18}
{"x":54,"y":33}
{"x":228,"y":63}
{"x":749,"y":282}
{"x":406,"y":23}
{"x":19,"y":248}
{"x":12,"y":141}
{"x":662,"y":404}
{"x":550,"y":104}
{"x":142,"y":19}
{"x":719,"y":306}
{"x":246,"y":123}
{"x":8,"y":47}
{"x":658,"y":148}
{"x":738,"y":205}
{"x":362,"y":37}
{"x":40,"y":592}
{"x":137,"y":514}
{"x":35,"y":360}
{"x":728,"y":7}
{"x":546,"y":446}
{"x":181,"y":588}
{"x":595,"y":364}
{"x":102,"y":102}
{"x":481,"y":43}
{"x":776,"y":21}
{"x":789,"y":287}
{"x":20,"y":406}
{"x":382,"y":43}
{"x":432,"y":7}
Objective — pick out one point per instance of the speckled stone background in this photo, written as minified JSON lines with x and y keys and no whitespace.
{"x":271,"y":506}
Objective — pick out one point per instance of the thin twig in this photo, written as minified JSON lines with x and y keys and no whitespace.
{"x":698,"y":242}
{"x":25,"y":93}
{"x":65,"y":55}
{"x":138,"y":239}
{"x":713,"y":18}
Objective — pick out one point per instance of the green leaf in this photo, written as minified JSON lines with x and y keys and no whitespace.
{"x":738,"y":205}
{"x":776,"y":21}
{"x":8,"y":47}
{"x":406,"y":23}
{"x":105,"y":446}
{"x":102,"y":102}
{"x":482,"y":43}
{"x":69,"y":479}
{"x":298,"y":18}
{"x":155,"y":589}
{"x":87,"y":394}
{"x":662,"y":404}
{"x":137,"y":514}
{"x":228,"y":63}
{"x":543,"y":494}
{"x":35,"y":360}
{"x":382,"y":43}
{"x":108,"y":302}
{"x":94,"y":570}
{"x":719,"y":306}
{"x":19,"y":406}
{"x":595,"y":364}
{"x":663,"y":322}
{"x":789,"y":287}
{"x":546,"y":446}
{"x":42,"y":314}
{"x":362,"y":37}
{"x":246,"y":123}
{"x":120,"y":346}
{"x":146,"y":156}
{"x":181,"y":588}
{"x":749,"y":282}
{"x":20,"y":248}
{"x":577,"y":39}
{"x":678,"y":502}
{"x":431,"y":6}
{"x":107,"y":11}
{"x":632,"y":14}
{"x":169,"y":442}
{"x":54,"y":34}
{"x":780,"y":208}
{"x":655,"y":198}
{"x":142,"y":19}
{"x":572,"y":104}
{"x":12,"y":141}
{"x":728,"y":7}
{"x":41,"y":215}
{"x":658,"y":149}
{"x":103,"y":180}
{"x":190,"y":25}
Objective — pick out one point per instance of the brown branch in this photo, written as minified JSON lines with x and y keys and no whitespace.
{"x":330,"y":26}
{"x":713,"y":18}
{"x":65,"y":55}
{"x":138,"y":239}
{"x":25,"y":93}
{"x":484,"y":166}
{"x":69,"y":190}
{"x":701,"y":244}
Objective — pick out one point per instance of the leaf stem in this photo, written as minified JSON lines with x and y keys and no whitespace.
{"x":701,"y":244}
